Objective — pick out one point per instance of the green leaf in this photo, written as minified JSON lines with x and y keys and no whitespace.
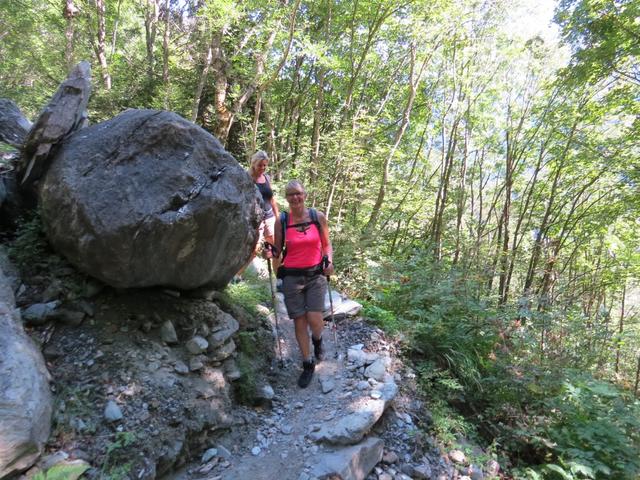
{"x":64,"y":471}
{"x":578,"y":468}
{"x":559,"y":470}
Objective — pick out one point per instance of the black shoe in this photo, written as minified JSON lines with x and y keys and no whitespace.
{"x":317,"y":348}
{"x":307,"y":374}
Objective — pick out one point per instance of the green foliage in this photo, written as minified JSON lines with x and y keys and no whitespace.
{"x":111,"y":471}
{"x":385,"y":319}
{"x":29,"y":247}
{"x":62,"y":472}
{"x":594,"y":429}
{"x":253,"y":354}
{"x":247,"y":294}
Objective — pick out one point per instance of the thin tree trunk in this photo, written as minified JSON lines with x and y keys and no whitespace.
{"x":506,"y":213}
{"x":114,"y":34}
{"x":150,"y":26}
{"x":621,"y":325}
{"x":165,"y":53}
{"x":101,"y":45}
{"x":635,"y":387}
{"x":535,"y":254}
{"x":415,"y":78}
{"x":214,"y":44}
{"x":69,"y":13}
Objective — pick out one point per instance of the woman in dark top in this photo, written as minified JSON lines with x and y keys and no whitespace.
{"x":259,"y":164}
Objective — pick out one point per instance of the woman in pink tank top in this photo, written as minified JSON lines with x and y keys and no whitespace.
{"x":305,"y":243}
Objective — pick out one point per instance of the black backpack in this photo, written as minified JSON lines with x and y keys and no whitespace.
{"x":284,"y":219}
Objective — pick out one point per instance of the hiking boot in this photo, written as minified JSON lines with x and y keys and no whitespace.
{"x":307,"y":374}
{"x":317,"y":347}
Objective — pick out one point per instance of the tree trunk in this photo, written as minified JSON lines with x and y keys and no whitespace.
{"x":535,"y":254}
{"x":69,"y":13}
{"x":165,"y":54}
{"x":213,"y":48}
{"x":101,"y":45}
{"x":414,"y":81}
{"x":621,"y":325}
{"x":151,"y":15}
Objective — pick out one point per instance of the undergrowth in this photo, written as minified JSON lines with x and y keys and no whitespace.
{"x":254,"y":342}
{"x":546,"y":416}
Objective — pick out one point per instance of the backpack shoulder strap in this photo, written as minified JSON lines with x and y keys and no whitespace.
{"x":313,"y":214}
{"x":284,"y":219}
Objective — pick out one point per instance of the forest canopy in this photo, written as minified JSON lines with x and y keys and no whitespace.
{"x":480,"y":178}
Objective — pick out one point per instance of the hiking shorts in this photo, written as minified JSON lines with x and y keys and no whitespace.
{"x":266,"y":229}
{"x":304,"y":294}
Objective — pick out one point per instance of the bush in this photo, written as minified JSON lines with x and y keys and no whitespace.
{"x":593,"y":430}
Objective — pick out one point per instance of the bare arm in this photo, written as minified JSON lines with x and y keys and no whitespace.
{"x":327,"y":249}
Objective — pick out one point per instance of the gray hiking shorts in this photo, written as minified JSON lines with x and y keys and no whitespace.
{"x":304,"y":294}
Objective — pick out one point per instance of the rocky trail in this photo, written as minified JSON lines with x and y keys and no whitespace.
{"x":352,"y":422}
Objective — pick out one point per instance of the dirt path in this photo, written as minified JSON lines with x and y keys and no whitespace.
{"x":273,"y":444}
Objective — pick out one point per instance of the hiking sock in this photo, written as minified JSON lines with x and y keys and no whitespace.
{"x":308,"y":366}
{"x":317,"y":347}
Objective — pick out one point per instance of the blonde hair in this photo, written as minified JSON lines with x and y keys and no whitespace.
{"x":256,"y":158}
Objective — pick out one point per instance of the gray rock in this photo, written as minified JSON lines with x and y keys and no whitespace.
{"x":25,"y":398}
{"x":351,"y":463}
{"x":422,"y":472}
{"x":224,"y":453}
{"x":181,"y":368}
{"x":196,"y":363}
{"x":351,"y":428}
{"x":376,"y":370}
{"x":342,"y":307}
{"x":123,"y":196}
{"x":231,"y":370}
{"x":225,"y":326}
{"x":11,"y":273}
{"x":360,"y":357}
{"x":362,"y":385}
{"x":68,"y":317}
{"x":209,"y":454}
{"x":266,"y":392}
{"x":256,"y":451}
{"x":197,"y":345}
{"x":39,"y":313}
{"x":112,"y":412}
{"x":457,"y":456}
{"x":327,"y":384}
{"x":168,"y":333}
{"x":390,"y":457}
{"x":13,"y":125}
{"x":65,"y":113}
{"x":223,"y":352}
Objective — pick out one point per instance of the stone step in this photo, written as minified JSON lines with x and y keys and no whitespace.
{"x":349,"y":463}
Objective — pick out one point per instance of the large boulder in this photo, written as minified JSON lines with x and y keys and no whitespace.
{"x":65,"y":113}
{"x":149,"y":198}
{"x":13,"y":125}
{"x":25,"y":399}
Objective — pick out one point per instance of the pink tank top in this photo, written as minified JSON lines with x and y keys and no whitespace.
{"x":304,"y":249}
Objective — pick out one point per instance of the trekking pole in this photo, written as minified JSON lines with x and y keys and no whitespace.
{"x":325,"y":261}
{"x":275,"y":307}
